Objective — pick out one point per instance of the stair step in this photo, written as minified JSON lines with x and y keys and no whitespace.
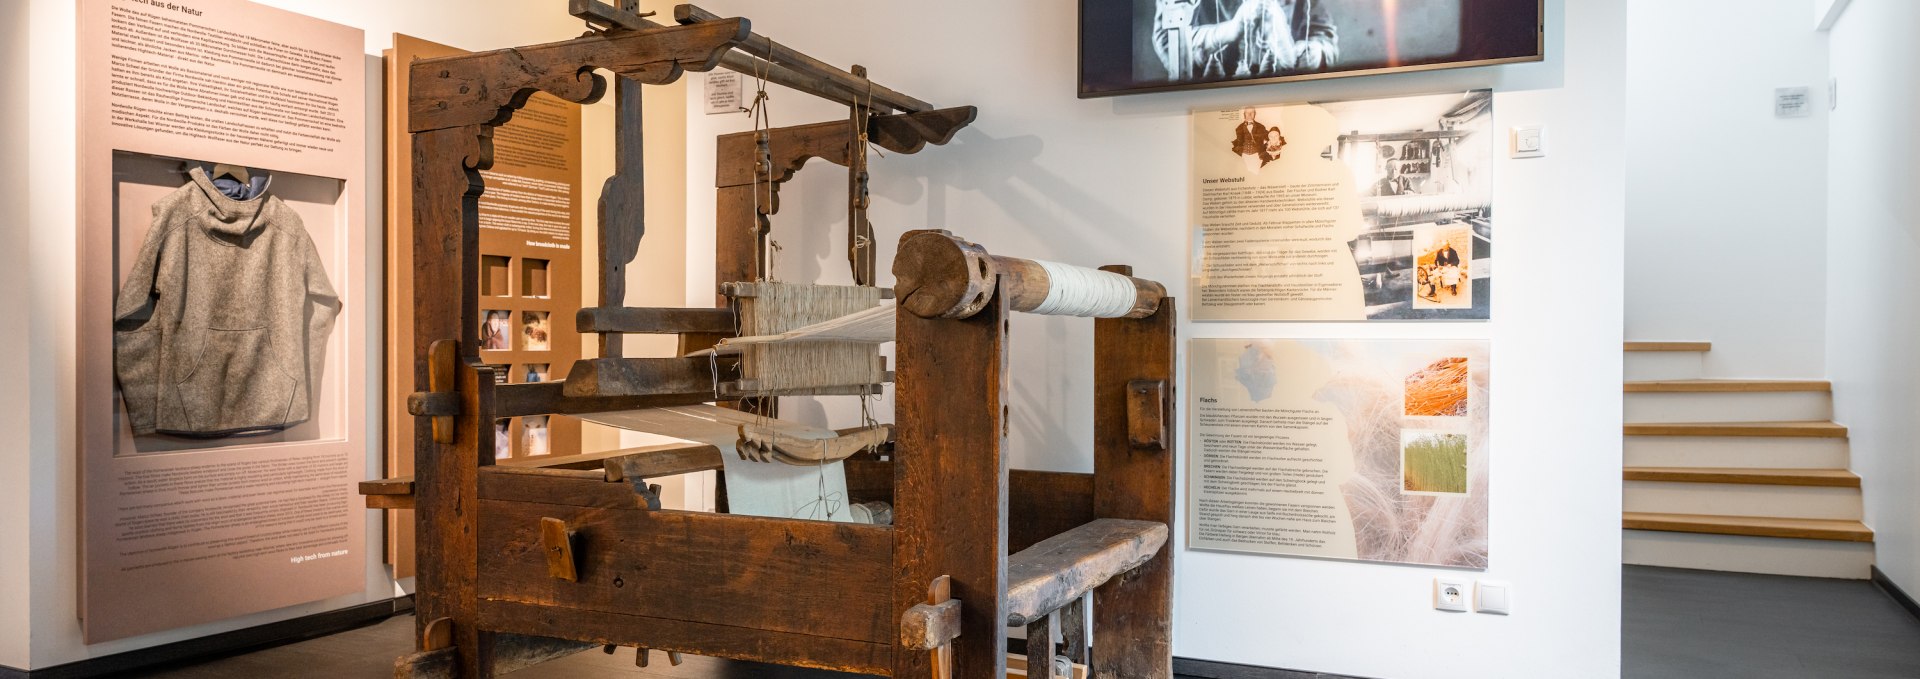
{"x":1726,"y":386}
{"x":1834,"y":478}
{"x":1669,"y":346}
{"x":1655,"y":366}
{"x":1693,"y":401}
{"x":1743,"y":452}
{"x":1824,"y":430}
{"x":1742,"y":499}
{"x":1748,"y":554}
{"x":1756,"y":526}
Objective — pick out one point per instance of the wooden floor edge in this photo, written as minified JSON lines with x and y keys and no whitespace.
{"x":1809,"y":430}
{"x":1801,"y":529}
{"x":1824,"y":478}
{"x":1668,"y":346}
{"x":1725,"y":386}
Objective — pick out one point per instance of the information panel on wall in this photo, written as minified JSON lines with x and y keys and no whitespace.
{"x":222,"y":239}
{"x":1366,"y":450}
{"x":530,"y":260}
{"x":1359,"y":210}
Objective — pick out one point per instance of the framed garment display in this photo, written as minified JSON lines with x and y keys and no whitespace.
{"x":222,"y":359}
{"x":1378,"y":209}
{"x":1132,"y":46}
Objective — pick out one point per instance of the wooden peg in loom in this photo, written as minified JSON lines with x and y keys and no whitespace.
{"x":1147,"y":414}
{"x":641,"y":657}
{"x":934,"y":625}
{"x":442,"y":359}
{"x":557,"y":542}
{"x":438,"y":635}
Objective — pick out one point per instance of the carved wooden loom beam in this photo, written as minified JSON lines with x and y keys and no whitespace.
{"x":760,"y":57}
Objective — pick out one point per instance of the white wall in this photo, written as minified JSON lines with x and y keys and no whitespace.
{"x":15,"y":58}
{"x":1873,"y":216}
{"x":1726,"y":204}
{"x":38,"y":584}
{"x":1042,"y":174}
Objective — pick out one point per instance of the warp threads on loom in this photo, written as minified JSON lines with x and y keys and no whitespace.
{"x":1079,"y":291}
{"x":774,"y":308}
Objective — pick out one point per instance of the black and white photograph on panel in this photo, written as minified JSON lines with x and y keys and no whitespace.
{"x":1145,"y":45}
{"x":1373,"y":209}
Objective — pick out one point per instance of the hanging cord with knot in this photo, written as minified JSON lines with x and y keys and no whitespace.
{"x":763,"y":163}
{"x":862,"y":119}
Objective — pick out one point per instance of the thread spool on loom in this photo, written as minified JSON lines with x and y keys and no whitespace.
{"x":940,"y":276}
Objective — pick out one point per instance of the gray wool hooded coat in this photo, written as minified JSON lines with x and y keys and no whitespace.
{"x":222,"y":324}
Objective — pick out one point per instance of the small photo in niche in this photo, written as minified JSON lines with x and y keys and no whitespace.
{"x":494,"y":276}
{"x":536,"y":372}
{"x":533,"y":278}
{"x":538,"y":442}
{"x":496,"y":330}
{"x":535,"y":331}
{"x":502,"y":438}
{"x":1433,"y":463}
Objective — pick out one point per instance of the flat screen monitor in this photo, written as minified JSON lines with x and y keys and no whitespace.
{"x":1131,"y":46}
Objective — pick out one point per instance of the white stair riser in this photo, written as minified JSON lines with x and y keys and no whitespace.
{"x":1739,"y":499}
{"x":1782,"y":406}
{"x":1746,"y":554}
{"x":1762,"y":452}
{"x":1665,"y":365}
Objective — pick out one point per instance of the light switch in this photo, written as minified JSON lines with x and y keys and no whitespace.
{"x":1529,"y":141}
{"x":1450,"y":594}
{"x":1493,"y":596}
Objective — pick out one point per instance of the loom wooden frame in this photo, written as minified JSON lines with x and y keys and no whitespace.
{"x":520,"y":564}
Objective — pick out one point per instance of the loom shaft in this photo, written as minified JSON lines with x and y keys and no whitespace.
{"x":940,"y":276}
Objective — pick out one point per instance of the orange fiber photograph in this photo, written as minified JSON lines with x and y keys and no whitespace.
{"x":1438,"y":390}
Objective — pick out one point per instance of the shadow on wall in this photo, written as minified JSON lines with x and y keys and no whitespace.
{"x":1061,"y":220}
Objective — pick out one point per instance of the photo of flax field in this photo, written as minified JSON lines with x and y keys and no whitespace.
{"x":1433,"y":462}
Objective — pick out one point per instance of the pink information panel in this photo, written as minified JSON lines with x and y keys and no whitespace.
{"x":222,"y":370}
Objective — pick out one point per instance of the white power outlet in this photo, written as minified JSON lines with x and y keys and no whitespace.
{"x":1450,"y":593}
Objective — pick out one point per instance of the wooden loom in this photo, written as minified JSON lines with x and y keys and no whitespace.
{"x":519,"y":563}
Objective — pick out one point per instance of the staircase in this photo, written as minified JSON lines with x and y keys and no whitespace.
{"x":1736,"y":475}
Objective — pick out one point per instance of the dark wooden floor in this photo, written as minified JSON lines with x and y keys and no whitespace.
{"x":1678,"y":624}
{"x":369,"y":652}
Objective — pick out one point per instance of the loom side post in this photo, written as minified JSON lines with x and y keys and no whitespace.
{"x":1132,"y":615}
{"x":950,"y":488}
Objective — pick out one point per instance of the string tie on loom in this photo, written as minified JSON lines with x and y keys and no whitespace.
{"x":1079,"y":291}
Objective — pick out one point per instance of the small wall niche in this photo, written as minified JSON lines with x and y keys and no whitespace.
{"x":533,"y":278}
{"x":495,"y":276}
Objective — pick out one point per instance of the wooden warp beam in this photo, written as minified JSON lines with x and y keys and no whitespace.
{"x":940,"y":276}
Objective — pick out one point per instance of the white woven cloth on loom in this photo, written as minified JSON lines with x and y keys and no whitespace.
{"x":753,"y":488}
{"x":1079,"y":291}
{"x":872,"y":326}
